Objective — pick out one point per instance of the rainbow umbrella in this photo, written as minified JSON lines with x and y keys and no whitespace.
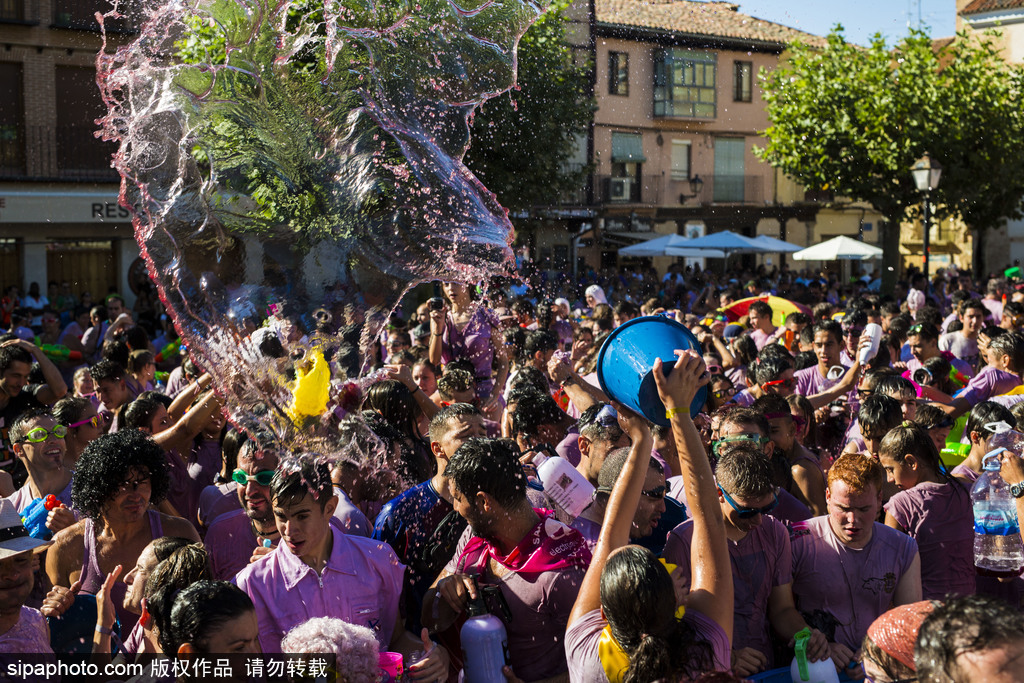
{"x":780,"y":308}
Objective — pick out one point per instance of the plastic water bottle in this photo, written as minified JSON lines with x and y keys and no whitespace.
{"x":1005,"y":436}
{"x":564,"y":484}
{"x":803,"y":670}
{"x":484,"y":645}
{"x":873,"y":330}
{"x":997,"y":545}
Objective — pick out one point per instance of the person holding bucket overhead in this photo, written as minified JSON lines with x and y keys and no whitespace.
{"x":627,"y":618}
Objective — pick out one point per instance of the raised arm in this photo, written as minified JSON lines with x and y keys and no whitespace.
{"x":178,"y":435}
{"x":711,"y":587}
{"x":55,"y":387}
{"x":621,"y":509}
{"x":438,"y":321}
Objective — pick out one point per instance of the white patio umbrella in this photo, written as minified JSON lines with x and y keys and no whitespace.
{"x":668,"y":245}
{"x":840,"y":248}
{"x":777,"y":245}
{"x":728,"y":243}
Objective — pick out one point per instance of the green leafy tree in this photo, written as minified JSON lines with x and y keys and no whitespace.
{"x":523,"y":140}
{"x":853,"y":120}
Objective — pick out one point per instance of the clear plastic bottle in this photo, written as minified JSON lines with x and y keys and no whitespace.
{"x":1005,"y":436}
{"x":564,"y":484}
{"x":484,"y":645}
{"x":997,"y":544}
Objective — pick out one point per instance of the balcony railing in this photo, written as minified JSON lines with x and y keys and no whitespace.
{"x":618,"y":190}
{"x":83,"y":156}
{"x":12,"y":150}
{"x":732,"y":189}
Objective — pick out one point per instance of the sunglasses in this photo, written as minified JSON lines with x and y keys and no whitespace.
{"x":731,"y":391}
{"x":41,"y":434}
{"x":861,"y":393}
{"x":746,"y":512}
{"x":262,"y":478}
{"x":853,"y":331}
{"x":787,"y":383}
{"x":738,"y":438}
{"x":714,"y":369}
{"x":96,"y":421}
{"x":914,"y":329}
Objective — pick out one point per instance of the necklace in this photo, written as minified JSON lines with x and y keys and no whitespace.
{"x":262,"y":534}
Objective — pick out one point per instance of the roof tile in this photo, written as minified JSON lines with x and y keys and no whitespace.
{"x":979,"y":6}
{"x":694,"y":17}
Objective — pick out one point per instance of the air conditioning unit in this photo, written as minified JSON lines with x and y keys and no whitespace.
{"x":620,"y":190}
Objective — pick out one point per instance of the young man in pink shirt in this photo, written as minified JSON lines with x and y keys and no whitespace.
{"x":761,"y":328}
{"x":847,"y":568}
{"x":317,"y":571}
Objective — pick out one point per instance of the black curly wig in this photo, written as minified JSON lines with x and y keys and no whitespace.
{"x":105,"y":464}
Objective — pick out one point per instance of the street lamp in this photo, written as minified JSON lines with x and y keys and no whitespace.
{"x":926,"y":174}
{"x":695,"y":187}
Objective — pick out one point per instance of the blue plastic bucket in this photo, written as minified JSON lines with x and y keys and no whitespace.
{"x":627,"y":356}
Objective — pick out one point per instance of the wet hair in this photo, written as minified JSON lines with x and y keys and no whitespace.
{"x":807,"y":335}
{"x":894,"y":385}
{"x":975,"y":304}
{"x":199,"y":611}
{"x":772,"y":406}
{"x":116,"y":351}
{"x":985,"y":413}
{"x":589,"y":427}
{"x":858,"y":471}
{"x":534,"y":411}
{"x":834,"y":329}
{"x":761,"y":308}
{"x":745,"y":349}
{"x":181,"y":564}
{"x":70,"y":409}
{"x":527,"y":374}
{"x":638,"y":599}
{"x":963,"y":625}
{"x":354,"y":647}
{"x":454,"y":380}
{"x":139,"y":413}
{"x":929,"y":314}
{"x":626,"y":308}
{"x":771,"y":367}
{"x":106,"y":462}
{"x":443,"y":418}
{"x":925,"y":331}
{"x":230,"y":446}
{"x":393,"y":401}
{"x":612,"y":468}
{"x":538,"y":341}
{"x":138,"y":360}
{"x":162,"y":399}
{"x":929,"y":415}
{"x":1010,"y":344}
{"x":878,"y":414}
{"x":913,"y":439}
{"x":13,"y":354}
{"x":20,"y":426}
{"x":1018,"y":415}
{"x":490,"y":466}
{"x":106,"y":369}
{"x":743,"y":471}
{"x":136,"y":339}
{"x":748,"y":416}
{"x":803,"y":404}
{"x":290,"y":487}
{"x":775,"y":352}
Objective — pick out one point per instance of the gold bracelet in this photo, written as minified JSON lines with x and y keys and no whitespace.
{"x":672,"y":412}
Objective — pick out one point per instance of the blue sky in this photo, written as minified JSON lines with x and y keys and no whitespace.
{"x":860,"y":18}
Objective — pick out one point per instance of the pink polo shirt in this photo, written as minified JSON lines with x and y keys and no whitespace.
{"x":361,"y":584}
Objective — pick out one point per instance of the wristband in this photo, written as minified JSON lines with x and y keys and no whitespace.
{"x":672,"y":412}
{"x":104,"y":630}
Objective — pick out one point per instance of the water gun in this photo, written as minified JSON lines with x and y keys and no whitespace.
{"x":311,"y":388}
{"x":162,"y":377}
{"x":954,"y":453}
{"x":58,"y":353}
{"x":34,"y":516}
{"x":169,"y":351}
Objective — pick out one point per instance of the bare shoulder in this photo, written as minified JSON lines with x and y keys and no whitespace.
{"x":177,"y":526}
{"x":65,"y":556}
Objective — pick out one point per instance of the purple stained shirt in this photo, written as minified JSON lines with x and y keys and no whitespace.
{"x":761,"y":561}
{"x":214,"y":494}
{"x":810,"y":382}
{"x":940,"y":518}
{"x":540,"y":610}
{"x":204,"y":462}
{"x":790,"y":509}
{"x":29,"y":634}
{"x":743,"y":398}
{"x":854,"y":586}
{"x":960,"y":346}
{"x":761,"y":338}
{"x":965,"y":472}
{"x":583,"y":635}
{"x":361,"y":584}
{"x":569,"y":447}
{"x":988,"y":383}
{"x":914,"y":364}
{"x":473,"y":342}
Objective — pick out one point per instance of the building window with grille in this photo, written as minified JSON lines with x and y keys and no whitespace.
{"x":742,"y":81}
{"x":684,"y":83}
{"x":618,"y":73}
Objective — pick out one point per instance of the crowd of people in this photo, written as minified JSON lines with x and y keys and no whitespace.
{"x":814,"y":492}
